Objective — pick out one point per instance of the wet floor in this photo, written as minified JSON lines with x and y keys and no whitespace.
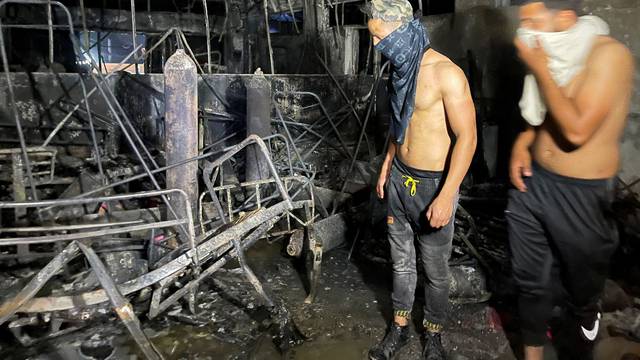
{"x":349,"y":315}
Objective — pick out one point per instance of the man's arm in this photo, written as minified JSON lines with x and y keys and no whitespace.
{"x":608,"y":69}
{"x":461,"y":116}
{"x":385,"y":169}
{"x":520,"y":163}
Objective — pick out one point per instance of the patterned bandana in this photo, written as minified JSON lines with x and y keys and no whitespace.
{"x":404,"y":48}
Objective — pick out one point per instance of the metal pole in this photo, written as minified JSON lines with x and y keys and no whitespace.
{"x":84,"y":27}
{"x":16,"y":115}
{"x":266,"y":23}
{"x":230,"y":251}
{"x":50,"y":25}
{"x":133,"y":30}
{"x":9,"y":307}
{"x":133,"y":146}
{"x":82,"y":201}
{"x":206,"y":250}
{"x":293,"y":15}
{"x":121,"y":306}
{"x":206,"y":24}
{"x":77,"y":106}
{"x":344,"y":96}
{"x":287,"y":132}
{"x":226,"y":19}
{"x":364,"y":128}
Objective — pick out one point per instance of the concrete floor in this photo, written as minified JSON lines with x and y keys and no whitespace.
{"x":349,"y":316}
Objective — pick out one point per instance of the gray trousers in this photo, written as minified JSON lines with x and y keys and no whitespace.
{"x":409,"y":193}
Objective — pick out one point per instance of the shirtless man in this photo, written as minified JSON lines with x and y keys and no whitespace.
{"x":563,"y":171}
{"x":425,"y":163}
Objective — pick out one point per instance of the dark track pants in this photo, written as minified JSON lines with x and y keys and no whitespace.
{"x":559,"y":223}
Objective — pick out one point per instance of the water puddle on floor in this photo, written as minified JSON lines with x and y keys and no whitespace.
{"x":348,"y":349}
{"x":189,"y":343}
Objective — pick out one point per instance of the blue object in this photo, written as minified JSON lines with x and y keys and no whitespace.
{"x":404,"y":48}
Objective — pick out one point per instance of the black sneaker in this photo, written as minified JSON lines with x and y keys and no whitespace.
{"x":433,"y":349}
{"x":396,"y":338}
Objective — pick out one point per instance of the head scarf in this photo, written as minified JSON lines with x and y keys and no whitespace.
{"x":567,"y":52}
{"x":404,"y":48}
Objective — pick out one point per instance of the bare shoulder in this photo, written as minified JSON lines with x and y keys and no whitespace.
{"x":444,"y":74}
{"x":451,"y":78}
{"x":447,"y":70}
{"x":609,"y":53}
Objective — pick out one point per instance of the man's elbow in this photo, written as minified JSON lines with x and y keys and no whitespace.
{"x":469,"y":139}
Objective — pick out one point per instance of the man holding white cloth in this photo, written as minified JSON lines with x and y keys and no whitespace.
{"x":563,"y":167}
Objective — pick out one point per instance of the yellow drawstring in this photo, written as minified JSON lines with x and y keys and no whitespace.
{"x":411,"y":182}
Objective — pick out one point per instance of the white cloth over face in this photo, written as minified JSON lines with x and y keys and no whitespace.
{"x":567,"y":53}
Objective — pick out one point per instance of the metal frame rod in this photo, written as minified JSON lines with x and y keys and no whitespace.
{"x":45,"y":239}
{"x":109,"y":75}
{"x":293,"y":16}
{"x":362,"y":134}
{"x":246,"y":243}
{"x":324,"y":111}
{"x":33,"y":27}
{"x":286,"y":142}
{"x":50,"y":30}
{"x":208,"y":170}
{"x":266,"y":24}
{"x":14,"y":105}
{"x":10,"y":307}
{"x":287,"y":132}
{"x":204,"y":252}
{"x":143,"y":175}
{"x":94,"y":138}
{"x":206,"y":25}
{"x":226,"y":19}
{"x":77,"y":106}
{"x":344,"y":95}
{"x":121,"y":306}
{"x":319,"y":124}
{"x":301,"y":180}
{"x":133,"y":31}
{"x":189,"y":232}
{"x":329,"y":119}
{"x":84,"y":27}
{"x":322,"y":138}
{"x":128,"y":122}
{"x":132,"y":143}
{"x":66,"y":227}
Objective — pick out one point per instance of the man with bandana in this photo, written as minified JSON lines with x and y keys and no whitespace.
{"x":563,"y":167}
{"x":433,"y":133}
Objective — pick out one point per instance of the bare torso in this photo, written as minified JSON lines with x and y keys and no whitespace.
{"x":427,"y":139}
{"x":599,"y":157}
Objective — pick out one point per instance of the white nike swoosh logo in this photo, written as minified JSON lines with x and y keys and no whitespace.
{"x":591,"y":334}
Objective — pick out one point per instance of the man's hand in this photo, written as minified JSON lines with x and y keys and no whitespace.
{"x":520,"y":166}
{"x":534,"y":57}
{"x":440,"y":211}
{"x":381,"y":181}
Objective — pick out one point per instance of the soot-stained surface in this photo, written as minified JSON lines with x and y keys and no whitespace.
{"x":349,"y":316}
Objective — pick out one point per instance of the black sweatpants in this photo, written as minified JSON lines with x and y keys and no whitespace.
{"x":563,"y":223}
